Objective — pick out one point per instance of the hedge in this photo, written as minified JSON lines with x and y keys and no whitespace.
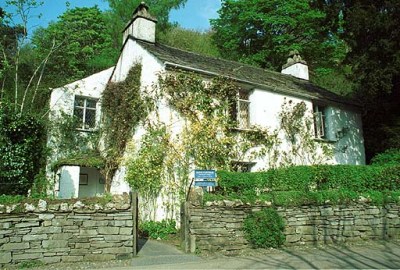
{"x":311,"y":178}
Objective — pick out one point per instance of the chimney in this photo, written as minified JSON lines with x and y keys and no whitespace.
{"x":142,"y":25}
{"x":296,"y":66}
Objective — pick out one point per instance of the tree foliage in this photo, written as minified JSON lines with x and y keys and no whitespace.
{"x":21,"y":150}
{"x":121,"y":13}
{"x":83,"y":45}
{"x":263,"y":32}
{"x":190,"y":40}
{"x":371,"y":29}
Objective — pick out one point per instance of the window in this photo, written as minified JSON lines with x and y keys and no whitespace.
{"x":242,"y":110}
{"x":320,"y":122}
{"x":240,"y":166}
{"x":85,"y":112}
{"x":83,"y":179}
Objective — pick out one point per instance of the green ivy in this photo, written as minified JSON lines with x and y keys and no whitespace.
{"x":264,"y":229}
{"x":90,"y":159}
{"x":145,"y":170}
{"x":124,"y":107}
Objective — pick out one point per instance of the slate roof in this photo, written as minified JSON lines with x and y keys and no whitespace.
{"x":264,"y":79}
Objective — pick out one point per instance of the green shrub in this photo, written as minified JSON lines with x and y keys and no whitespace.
{"x":311,"y":178}
{"x":10,"y":199}
{"x":389,"y":157}
{"x":22,"y":140}
{"x":264,"y":229}
{"x":158,"y":229}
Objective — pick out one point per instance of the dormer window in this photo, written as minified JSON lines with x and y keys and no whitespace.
{"x":85,"y":112}
{"x":320,"y":127}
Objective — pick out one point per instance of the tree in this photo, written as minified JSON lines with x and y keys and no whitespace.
{"x":371,"y":30}
{"x":83,"y":45}
{"x":22,"y":133}
{"x":262,"y":32}
{"x":121,"y":13}
{"x":190,"y":40}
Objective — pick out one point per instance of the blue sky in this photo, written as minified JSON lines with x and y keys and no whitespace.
{"x":195,"y":15}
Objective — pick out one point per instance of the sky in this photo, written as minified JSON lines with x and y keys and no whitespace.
{"x":195,"y":15}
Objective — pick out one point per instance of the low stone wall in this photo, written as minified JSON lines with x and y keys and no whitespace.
{"x":68,"y":231}
{"x":218,"y":225}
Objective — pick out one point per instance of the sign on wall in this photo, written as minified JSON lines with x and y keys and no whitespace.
{"x":205,"y":178}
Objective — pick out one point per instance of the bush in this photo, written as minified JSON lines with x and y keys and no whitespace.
{"x":264,"y":229}
{"x":389,"y":157}
{"x":158,"y":229}
{"x":311,"y":178}
{"x":22,"y":140}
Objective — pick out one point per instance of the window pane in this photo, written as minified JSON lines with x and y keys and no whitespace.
{"x":243,"y":114}
{"x":78,"y":113}
{"x":90,"y":120}
{"x":243,"y":95}
{"x":79,"y":101}
{"x":91,"y":103}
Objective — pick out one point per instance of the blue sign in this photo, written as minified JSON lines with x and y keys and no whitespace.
{"x":205,"y":174}
{"x":205,"y":183}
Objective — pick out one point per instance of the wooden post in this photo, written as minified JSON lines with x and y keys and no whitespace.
{"x":135,"y":217}
{"x":185,"y":238}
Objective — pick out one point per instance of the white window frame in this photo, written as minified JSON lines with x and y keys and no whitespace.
{"x":243,"y":120}
{"x":320,"y":126}
{"x":82,"y":125}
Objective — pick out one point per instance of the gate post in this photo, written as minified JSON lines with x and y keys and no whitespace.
{"x":185,"y":238}
{"x":135,"y":217}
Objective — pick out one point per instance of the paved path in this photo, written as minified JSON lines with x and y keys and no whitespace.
{"x":368,"y":255}
{"x":160,"y":255}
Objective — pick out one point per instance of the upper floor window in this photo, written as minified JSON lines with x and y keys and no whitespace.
{"x":320,"y":127}
{"x":85,"y":112}
{"x":242,"y":112}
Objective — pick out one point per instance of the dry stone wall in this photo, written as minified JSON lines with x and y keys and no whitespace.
{"x":52,"y":232}
{"x":217,"y":226}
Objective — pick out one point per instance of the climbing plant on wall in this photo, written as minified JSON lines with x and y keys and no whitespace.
{"x":124,"y":107}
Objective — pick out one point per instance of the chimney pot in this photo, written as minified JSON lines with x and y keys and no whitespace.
{"x":296,"y":66}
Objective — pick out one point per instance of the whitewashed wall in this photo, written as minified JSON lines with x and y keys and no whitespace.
{"x":93,"y":187}
{"x":264,"y":109}
{"x":69,"y":182}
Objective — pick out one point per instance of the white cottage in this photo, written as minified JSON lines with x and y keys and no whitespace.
{"x":337,"y":121}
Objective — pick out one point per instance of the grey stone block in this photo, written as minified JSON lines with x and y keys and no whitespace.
{"x":50,"y":260}
{"x":99,"y":257}
{"x":126,"y":231}
{"x":14,"y":246}
{"x":118,"y":250}
{"x":61,"y":236}
{"x":50,"y":244}
{"x":34,"y":237}
{"x":27,"y":224}
{"x":27,"y":256}
{"x":108,"y":230}
{"x":5,"y":257}
{"x":71,"y":259}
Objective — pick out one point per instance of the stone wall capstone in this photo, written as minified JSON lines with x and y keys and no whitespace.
{"x":66,"y":231}
{"x":218,"y":226}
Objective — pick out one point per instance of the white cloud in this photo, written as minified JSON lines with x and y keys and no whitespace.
{"x":210,"y":9}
